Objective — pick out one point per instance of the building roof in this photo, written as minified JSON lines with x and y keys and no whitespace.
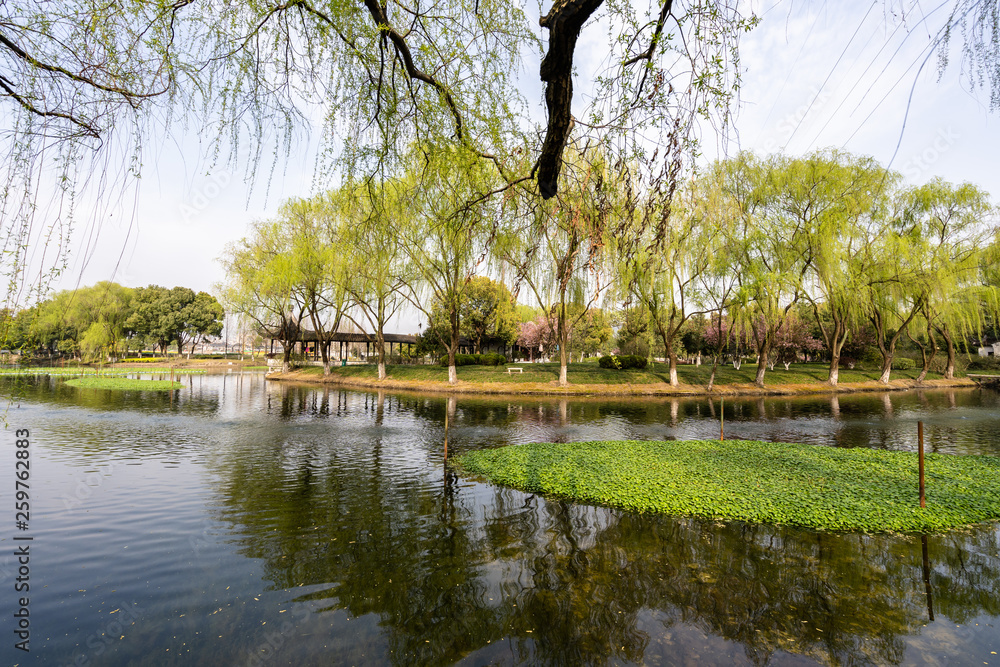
{"x":307,"y":336}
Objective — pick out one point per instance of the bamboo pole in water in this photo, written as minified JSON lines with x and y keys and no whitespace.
{"x":920,"y":459}
{"x":722,"y":418}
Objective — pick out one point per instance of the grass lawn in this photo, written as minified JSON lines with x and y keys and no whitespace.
{"x":88,"y":370}
{"x":823,"y":488}
{"x":589,"y":372}
{"x":123,"y":384}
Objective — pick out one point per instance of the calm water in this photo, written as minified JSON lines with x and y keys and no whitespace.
{"x":244,"y":523}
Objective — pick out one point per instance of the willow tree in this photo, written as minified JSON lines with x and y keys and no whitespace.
{"x":444,"y":227}
{"x":315,"y":255}
{"x":376,"y":274}
{"x":664,"y":275}
{"x":955,"y":224}
{"x":557,"y":247}
{"x":764,"y":245}
{"x":891,"y":294}
{"x":832,"y":197}
{"x":260,"y":285}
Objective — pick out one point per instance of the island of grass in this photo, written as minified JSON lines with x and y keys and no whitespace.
{"x":123,"y":384}
{"x":823,"y":488}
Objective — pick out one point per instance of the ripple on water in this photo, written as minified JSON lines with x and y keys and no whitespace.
{"x":234,"y":507}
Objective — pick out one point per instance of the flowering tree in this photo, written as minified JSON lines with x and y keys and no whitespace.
{"x":538,"y":334}
{"x":793,"y":337}
{"x":726,"y":338}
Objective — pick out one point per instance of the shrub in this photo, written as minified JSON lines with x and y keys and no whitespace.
{"x":983,"y":364}
{"x":488,"y":359}
{"x":622,"y":361}
{"x":903,"y":364}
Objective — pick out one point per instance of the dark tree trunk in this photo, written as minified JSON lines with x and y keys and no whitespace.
{"x":564,"y":22}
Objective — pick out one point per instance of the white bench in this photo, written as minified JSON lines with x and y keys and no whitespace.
{"x":514,"y":368}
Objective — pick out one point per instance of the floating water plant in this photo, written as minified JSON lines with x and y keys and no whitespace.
{"x":122,"y":384}
{"x":825,"y":488}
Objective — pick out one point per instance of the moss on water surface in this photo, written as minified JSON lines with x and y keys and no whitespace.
{"x":122,"y":384}
{"x":824,"y":488}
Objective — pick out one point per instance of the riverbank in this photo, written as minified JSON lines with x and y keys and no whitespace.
{"x":588,"y":379}
{"x":180,"y":362}
{"x":823,"y":488}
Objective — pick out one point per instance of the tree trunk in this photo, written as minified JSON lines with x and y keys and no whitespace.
{"x":925,"y":357}
{"x":286,"y":358}
{"x":711,"y":378}
{"x":949,"y":369}
{"x":453,"y":347}
{"x":762,"y":366}
{"x":563,"y":335}
{"x":324,"y":353}
{"x":834,"y":374}
{"x":886,"y":369}
{"x":668,"y":346}
{"x":380,"y":339}
{"x":562,"y":366}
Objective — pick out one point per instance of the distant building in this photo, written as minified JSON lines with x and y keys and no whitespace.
{"x":991,"y":351}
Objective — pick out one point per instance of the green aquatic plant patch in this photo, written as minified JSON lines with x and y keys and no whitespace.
{"x":824,"y":488}
{"x":123,"y":384}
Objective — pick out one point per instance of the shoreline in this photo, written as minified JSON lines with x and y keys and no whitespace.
{"x":652,"y":389}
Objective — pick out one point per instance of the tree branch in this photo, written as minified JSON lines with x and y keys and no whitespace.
{"x":564,"y":22}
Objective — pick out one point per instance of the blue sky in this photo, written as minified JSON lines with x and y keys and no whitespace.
{"x":815,"y":75}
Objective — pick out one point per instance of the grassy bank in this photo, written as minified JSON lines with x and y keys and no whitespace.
{"x":589,"y":378}
{"x":123,"y":384}
{"x":93,"y":371}
{"x":803,"y":485}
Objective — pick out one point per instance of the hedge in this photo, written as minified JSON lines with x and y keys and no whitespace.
{"x":487,"y":359}
{"x":622,"y":361}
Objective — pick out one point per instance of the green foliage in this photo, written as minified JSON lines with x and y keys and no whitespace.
{"x":824,"y":488}
{"x":487,"y":311}
{"x":984,"y":364}
{"x":180,"y":315}
{"x":634,"y":336}
{"x":903,"y":364}
{"x":486,"y":359}
{"x":623,"y":361}
{"x":123,"y":384}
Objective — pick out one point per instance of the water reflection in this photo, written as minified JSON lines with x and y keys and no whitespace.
{"x":332,"y":531}
{"x":452,"y":569}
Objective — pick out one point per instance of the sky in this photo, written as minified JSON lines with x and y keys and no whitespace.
{"x":850,"y":75}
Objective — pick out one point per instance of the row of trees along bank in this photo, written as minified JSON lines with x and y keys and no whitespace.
{"x":107,"y":320}
{"x":748,"y":244}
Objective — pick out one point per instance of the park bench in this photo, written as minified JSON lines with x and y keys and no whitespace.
{"x":514,"y":368}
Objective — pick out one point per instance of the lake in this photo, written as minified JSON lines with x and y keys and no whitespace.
{"x":240,"y":522}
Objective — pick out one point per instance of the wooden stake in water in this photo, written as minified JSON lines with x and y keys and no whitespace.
{"x":920,"y":459}
{"x":722,"y":419}
{"x":927,"y":578}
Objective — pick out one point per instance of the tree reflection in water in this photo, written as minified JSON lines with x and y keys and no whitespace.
{"x":451,"y":570}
